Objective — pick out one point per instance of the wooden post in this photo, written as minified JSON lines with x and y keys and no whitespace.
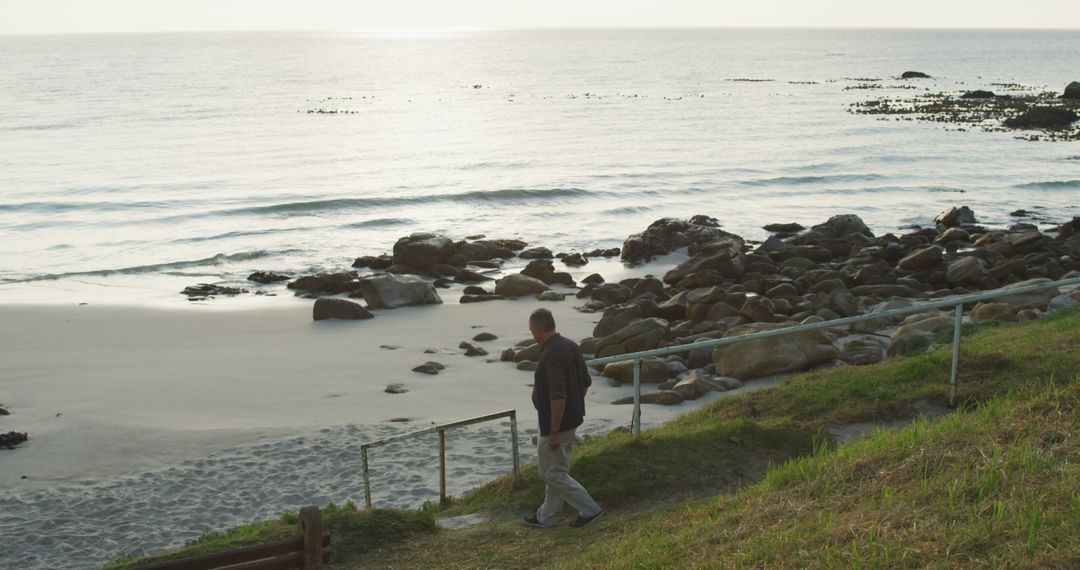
{"x":311,"y":531}
{"x":514,"y":448}
{"x":442,"y":466}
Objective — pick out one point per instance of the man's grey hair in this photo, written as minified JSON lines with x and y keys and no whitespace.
{"x":542,"y":320}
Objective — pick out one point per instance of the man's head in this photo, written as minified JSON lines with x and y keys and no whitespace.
{"x":541,"y":324}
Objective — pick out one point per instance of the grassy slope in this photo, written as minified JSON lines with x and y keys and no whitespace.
{"x":698,"y":491}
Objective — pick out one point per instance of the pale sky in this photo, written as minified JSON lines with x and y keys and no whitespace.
{"x":68,"y":16}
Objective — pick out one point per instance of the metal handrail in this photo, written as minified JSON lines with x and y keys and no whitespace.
{"x":441,"y":429}
{"x":956,"y":301}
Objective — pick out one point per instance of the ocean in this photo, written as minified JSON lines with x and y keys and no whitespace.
{"x":132,"y":165}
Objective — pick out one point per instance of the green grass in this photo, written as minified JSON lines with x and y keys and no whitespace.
{"x":753,"y":481}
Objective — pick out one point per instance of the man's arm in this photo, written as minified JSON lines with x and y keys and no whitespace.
{"x":558,"y":408}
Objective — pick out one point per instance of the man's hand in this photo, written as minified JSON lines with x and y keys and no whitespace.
{"x":553,"y":440}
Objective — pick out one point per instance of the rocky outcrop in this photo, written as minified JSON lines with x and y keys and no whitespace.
{"x":668,"y":234}
{"x":385,"y":291}
{"x":330,"y":308}
{"x":773,"y":355}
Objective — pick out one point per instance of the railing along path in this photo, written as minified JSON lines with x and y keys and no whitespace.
{"x":956,"y":301}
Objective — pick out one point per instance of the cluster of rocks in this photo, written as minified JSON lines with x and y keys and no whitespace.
{"x":836,"y":269}
{"x":12,"y":438}
{"x":1053,"y":114}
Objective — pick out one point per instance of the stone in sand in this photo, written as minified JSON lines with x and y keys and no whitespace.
{"x":429,"y":367}
{"x":4,"y":411}
{"x":387,"y":291}
{"x":484,"y":337}
{"x":914,"y":75}
{"x":12,"y":438}
{"x":518,"y":285}
{"x":396,"y":389}
{"x":329,"y":308}
{"x":550,"y":296}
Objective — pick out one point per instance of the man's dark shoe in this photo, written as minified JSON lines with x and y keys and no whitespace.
{"x":583,"y":521}
{"x":531,"y":520}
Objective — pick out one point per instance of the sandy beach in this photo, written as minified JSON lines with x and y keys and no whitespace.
{"x":150,"y":426}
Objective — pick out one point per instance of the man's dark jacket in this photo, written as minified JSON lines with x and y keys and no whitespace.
{"x":561,"y":373}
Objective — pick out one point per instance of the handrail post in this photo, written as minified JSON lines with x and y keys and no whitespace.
{"x":442,"y":466}
{"x":367,"y":479}
{"x":514,"y":447}
{"x":311,"y":529}
{"x":955,"y":354}
{"x":636,"y":421}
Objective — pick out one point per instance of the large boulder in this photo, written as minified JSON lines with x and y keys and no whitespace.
{"x":544,"y":270}
{"x":330,"y":308}
{"x":1072,"y":91}
{"x":1043,"y":118}
{"x":1033,"y":300}
{"x":967,"y":271}
{"x":863,"y":351}
{"x":727,"y":262}
{"x":916,"y":331}
{"x":481,"y":250}
{"x":926,"y":258}
{"x":386,"y":291}
{"x":697,"y":383}
{"x":774,"y":355}
{"x":653,"y":371}
{"x":645,"y":334}
{"x":611,"y":293}
{"x":999,"y":312}
{"x":518,"y":285}
{"x":421,"y":251}
{"x":843,"y":225}
{"x":955,"y":216}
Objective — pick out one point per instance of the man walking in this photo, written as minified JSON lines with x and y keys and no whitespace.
{"x":560,"y":383}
